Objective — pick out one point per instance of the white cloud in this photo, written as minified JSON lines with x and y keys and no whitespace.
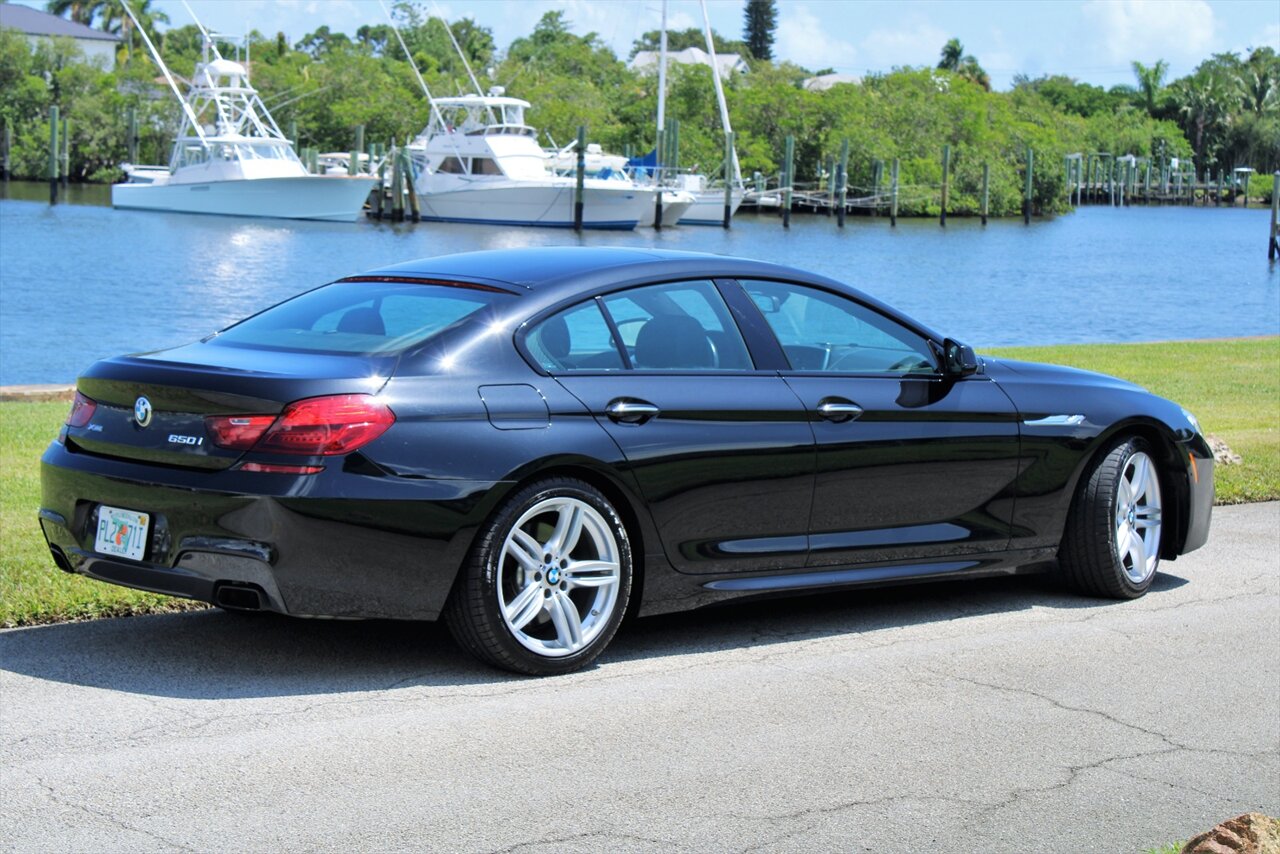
{"x":1132,"y":29}
{"x":917,"y":43}
{"x":804,"y":39}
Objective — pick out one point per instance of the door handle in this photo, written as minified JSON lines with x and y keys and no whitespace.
{"x":627,"y":411}
{"x":839,"y":410}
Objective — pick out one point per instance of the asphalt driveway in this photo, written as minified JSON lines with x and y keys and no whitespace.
{"x":1000,"y":715}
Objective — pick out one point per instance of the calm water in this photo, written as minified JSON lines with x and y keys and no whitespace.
{"x":81,"y":281}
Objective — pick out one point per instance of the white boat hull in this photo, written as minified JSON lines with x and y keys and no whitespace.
{"x":709,"y":208}
{"x":334,"y":199}
{"x":550,"y":205}
{"x":673,"y":207}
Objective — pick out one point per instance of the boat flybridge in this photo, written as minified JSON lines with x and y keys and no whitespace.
{"x":231,"y":158}
{"x":477,"y":161}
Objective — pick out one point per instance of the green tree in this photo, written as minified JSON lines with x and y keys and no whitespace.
{"x":1150,"y":82}
{"x":761,"y":21}
{"x":955,"y":60}
{"x":692,"y":37}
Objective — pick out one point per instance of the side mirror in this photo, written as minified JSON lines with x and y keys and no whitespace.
{"x":960,"y":360}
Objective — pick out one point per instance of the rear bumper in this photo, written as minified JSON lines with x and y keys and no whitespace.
{"x":335,"y":544}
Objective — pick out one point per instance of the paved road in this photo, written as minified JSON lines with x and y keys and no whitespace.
{"x":995,"y":716}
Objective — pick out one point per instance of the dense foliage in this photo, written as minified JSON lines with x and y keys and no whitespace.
{"x":1226,"y":113}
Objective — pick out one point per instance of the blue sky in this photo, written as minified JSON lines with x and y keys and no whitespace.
{"x":1091,"y":40}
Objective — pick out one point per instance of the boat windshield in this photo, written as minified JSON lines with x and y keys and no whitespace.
{"x":192,"y":152}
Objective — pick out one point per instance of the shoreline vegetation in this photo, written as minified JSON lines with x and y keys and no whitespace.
{"x":1222,"y":116}
{"x":1232,"y":385}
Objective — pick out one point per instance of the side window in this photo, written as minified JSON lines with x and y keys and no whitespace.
{"x":452,"y":165}
{"x":820,"y":331}
{"x":577,"y":339}
{"x":678,"y":326}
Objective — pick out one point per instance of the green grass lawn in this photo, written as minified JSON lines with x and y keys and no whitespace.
{"x":32,"y":589}
{"x":1232,"y":386}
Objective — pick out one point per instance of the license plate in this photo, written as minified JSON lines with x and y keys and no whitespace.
{"x":121,"y":533}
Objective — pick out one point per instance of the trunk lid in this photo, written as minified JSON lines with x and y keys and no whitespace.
{"x":184,"y":384}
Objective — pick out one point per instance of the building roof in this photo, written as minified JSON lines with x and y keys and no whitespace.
{"x":33,"y":22}
{"x":729,"y":63}
{"x":823,"y":82}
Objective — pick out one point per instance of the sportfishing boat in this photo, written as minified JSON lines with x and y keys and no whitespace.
{"x":231,"y":158}
{"x":477,"y":161}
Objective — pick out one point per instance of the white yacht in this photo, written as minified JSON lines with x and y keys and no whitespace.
{"x":477,"y":161}
{"x":230,"y":158}
{"x":708,"y":205}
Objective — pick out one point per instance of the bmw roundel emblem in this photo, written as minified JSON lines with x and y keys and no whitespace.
{"x":142,"y":411}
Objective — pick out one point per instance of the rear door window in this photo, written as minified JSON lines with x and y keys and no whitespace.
{"x":678,"y":326}
{"x":577,"y":339}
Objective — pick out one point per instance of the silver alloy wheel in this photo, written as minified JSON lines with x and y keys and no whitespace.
{"x":1138,"y":518}
{"x":558,"y":576}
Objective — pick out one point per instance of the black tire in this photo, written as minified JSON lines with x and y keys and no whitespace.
{"x":1088,"y":557}
{"x":473,"y":613}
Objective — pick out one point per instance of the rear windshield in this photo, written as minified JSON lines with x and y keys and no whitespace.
{"x":358,"y":318}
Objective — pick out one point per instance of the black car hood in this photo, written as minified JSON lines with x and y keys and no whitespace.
{"x":1012,"y":371}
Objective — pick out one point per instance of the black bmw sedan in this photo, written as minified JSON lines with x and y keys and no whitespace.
{"x":533,"y":444}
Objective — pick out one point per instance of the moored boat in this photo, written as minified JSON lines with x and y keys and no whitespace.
{"x":478,"y":162}
{"x":230,"y":157}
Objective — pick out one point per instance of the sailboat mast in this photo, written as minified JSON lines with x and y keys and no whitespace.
{"x":715,"y":78}
{"x":662,"y":73}
{"x":155,"y":54}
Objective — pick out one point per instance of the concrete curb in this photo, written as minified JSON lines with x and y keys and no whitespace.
{"x":30,"y":393}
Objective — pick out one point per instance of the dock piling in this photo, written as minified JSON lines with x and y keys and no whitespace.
{"x":582,"y":174}
{"x":1026,"y":201}
{"x":353,"y":166}
{"x":66,"y":151}
{"x":893,"y":194}
{"x":53,"y":154}
{"x":397,"y":187}
{"x":8,"y":146}
{"x":293,"y":133}
{"x":133,"y":134}
{"x":946,"y":169}
{"x":415,"y":211}
{"x":787,"y":180}
{"x":1273,"y":248}
{"x":842,"y":176}
{"x":728,"y":178}
{"x":986,"y":191}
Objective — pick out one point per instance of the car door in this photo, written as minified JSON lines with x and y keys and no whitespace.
{"x":911,"y":464}
{"x":722,"y":452}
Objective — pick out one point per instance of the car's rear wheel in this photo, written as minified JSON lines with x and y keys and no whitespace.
{"x":547,"y":583}
{"x":1111,"y":546}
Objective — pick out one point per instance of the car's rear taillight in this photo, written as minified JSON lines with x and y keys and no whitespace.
{"x":317,"y":426}
{"x":82,"y":409}
{"x":324,"y":426}
{"x":237,"y":432}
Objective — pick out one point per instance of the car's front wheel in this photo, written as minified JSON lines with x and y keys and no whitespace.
{"x":548,"y":581}
{"x":1111,"y":546}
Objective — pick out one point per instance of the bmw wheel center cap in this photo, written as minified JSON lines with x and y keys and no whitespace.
{"x":142,"y":411}
{"x":553,"y":575}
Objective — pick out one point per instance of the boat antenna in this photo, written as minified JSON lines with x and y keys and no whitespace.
{"x":155,"y":54}
{"x":715,"y":78}
{"x":416,"y":73}
{"x":467,"y":65}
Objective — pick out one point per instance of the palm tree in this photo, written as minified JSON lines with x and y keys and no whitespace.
{"x":1150,"y":82}
{"x":952,"y":55}
{"x":1205,"y":101}
{"x":80,"y":11}
{"x":116,"y":20}
{"x":1260,"y":80}
{"x":956,"y":61}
